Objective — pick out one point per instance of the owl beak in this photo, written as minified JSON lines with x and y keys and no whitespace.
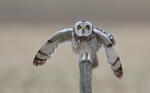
{"x":83,"y":31}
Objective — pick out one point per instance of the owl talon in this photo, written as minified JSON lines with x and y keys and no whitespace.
{"x":86,"y":56}
{"x":86,"y":61}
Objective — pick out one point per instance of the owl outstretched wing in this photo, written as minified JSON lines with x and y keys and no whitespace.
{"x":49,"y":47}
{"x":112,"y":56}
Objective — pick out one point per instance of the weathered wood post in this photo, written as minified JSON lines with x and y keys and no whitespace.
{"x":85,"y":76}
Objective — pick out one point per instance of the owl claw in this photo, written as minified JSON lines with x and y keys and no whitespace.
{"x":37,"y":61}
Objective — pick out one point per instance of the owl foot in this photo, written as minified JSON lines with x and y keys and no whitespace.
{"x":86,"y":56}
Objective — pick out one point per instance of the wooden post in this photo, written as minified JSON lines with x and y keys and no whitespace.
{"x":85,"y":76}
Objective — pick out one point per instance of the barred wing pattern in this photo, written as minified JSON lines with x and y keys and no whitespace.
{"x":112,"y":56}
{"x":49,"y":47}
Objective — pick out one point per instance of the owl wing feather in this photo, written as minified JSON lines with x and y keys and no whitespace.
{"x":106,"y":41}
{"x":49,"y":47}
{"x":109,"y":43}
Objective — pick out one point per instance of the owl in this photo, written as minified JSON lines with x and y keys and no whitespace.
{"x":86,"y":41}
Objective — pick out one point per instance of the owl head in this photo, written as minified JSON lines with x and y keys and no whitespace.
{"x":83,"y":28}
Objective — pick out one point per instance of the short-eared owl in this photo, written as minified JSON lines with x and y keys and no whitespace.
{"x":86,"y":41}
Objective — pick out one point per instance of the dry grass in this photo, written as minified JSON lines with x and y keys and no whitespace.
{"x":61,"y":74}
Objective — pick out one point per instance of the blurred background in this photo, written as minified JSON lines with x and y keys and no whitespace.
{"x":25,"y":25}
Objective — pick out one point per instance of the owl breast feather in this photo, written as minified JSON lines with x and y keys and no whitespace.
{"x":81,"y":44}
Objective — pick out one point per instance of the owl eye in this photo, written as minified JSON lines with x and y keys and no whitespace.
{"x":87,"y":27}
{"x":79,"y":27}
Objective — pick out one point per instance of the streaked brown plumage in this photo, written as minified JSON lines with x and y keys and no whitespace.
{"x":86,"y":41}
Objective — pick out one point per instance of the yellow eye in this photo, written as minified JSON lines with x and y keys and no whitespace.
{"x":87,"y":27}
{"x":79,"y":27}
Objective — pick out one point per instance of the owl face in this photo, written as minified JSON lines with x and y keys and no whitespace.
{"x":83,"y":28}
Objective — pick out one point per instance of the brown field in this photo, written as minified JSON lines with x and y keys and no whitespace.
{"x":60,"y":74}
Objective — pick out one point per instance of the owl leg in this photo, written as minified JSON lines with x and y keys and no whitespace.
{"x":95,"y":61}
{"x":91,"y":57}
{"x":85,"y":56}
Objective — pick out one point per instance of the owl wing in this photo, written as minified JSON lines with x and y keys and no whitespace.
{"x":49,"y":47}
{"x":112,"y":56}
